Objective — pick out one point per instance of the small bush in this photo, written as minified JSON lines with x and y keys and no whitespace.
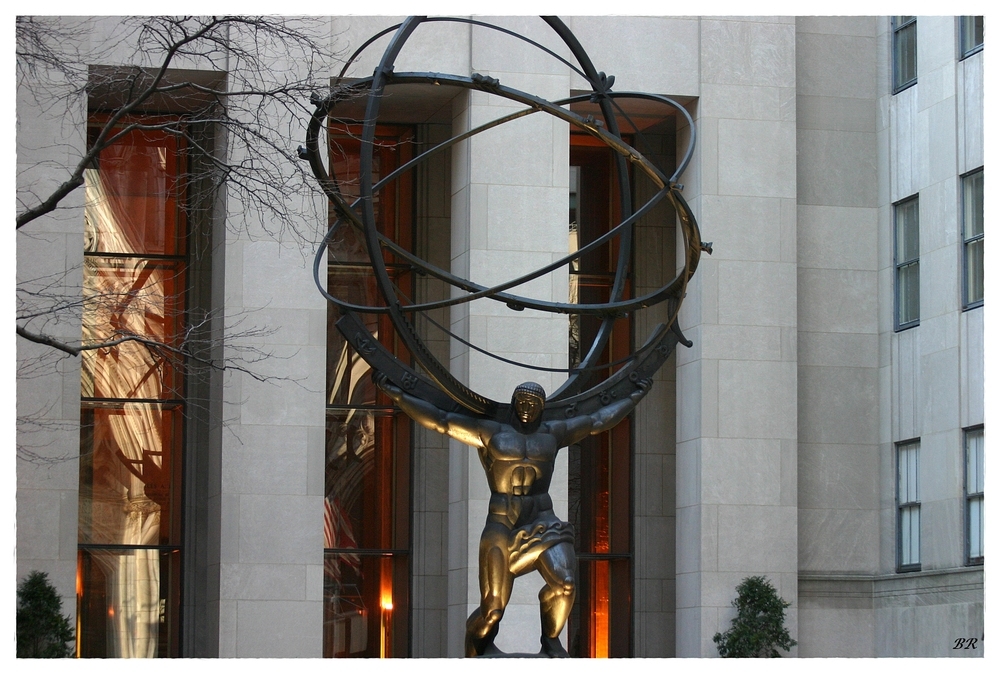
{"x":42,"y":630}
{"x":758,"y":629}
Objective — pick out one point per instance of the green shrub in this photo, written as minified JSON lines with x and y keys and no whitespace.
{"x":758,"y":629}
{"x":42,"y":630}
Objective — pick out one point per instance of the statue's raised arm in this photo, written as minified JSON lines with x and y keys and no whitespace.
{"x":574,"y":430}
{"x":469,"y":430}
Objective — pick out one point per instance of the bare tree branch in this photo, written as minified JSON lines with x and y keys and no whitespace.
{"x":237,"y":92}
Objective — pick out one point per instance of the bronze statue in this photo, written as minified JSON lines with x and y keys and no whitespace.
{"x":521,"y":534}
{"x":517,"y":443}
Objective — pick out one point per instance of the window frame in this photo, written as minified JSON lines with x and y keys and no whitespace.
{"x":964,"y":51}
{"x":898,"y":264}
{"x":172,"y":397}
{"x":910,"y":506}
{"x":967,"y":433}
{"x":968,"y":240}
{"x":392,"y":554}
{"x":600,"y":467}
{"x":898,"y":29}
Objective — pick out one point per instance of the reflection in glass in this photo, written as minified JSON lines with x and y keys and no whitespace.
{"x":130,"y":474}
{"x":598,"y":628}
{"x":348,"y":382}
{"x":132,"y":391}
{"x":130,"y":297}
{"x":360,"y":476}
{"x":366,"y":504}
{"x":365,"y":605}
{"x":599,"y":466}
{"x":132,"y":197}
{"x":128,"y":603}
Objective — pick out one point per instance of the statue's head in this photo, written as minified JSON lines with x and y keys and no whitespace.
{"x":528,"y":401}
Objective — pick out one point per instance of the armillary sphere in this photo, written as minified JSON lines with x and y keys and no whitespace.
{"x":435,"y":383}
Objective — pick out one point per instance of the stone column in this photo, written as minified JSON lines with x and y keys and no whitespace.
{"x":51,"y":133}
{"x":736,"y":389}
{"x":269,"y":472}
{"x":838,"y":242}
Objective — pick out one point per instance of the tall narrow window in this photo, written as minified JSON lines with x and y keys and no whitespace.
{"x":970,"y":34}
{"x":974,"y":494}
{"x":972,"y":234}
{"x":906,"y":217}
{"x":599,"y":467}
{"x":132,"y":400}
{"x":367,"y":506}
{"x":904,"y":52}
{"x":908,"y":498}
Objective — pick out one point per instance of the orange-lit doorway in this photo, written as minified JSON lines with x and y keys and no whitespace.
{"x":600,"y":489}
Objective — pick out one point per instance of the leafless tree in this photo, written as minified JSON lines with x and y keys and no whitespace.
{"x":239,"y":89}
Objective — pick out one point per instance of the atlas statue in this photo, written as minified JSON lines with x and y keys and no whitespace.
{"x":517,"y":442}
{"x":521,"y":534}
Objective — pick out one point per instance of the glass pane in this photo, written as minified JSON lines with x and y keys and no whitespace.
{"x":348,"y":381}
{"x":365,"y":606}
{"x":974,"y":462}
{"x":590,"y":494}
{"x":600,"y":466}
{"x":908,"y":474}
{"x":901,"y":468}
{"x":974,"y":284}
{"x":600,"y":620}
{"x":131,"y":203}
{"x":130,"y":471}
{"x":132,"y":297}
{"x":976,"y":527}
{"x":904,"y":536}
{"x":907,"y":231}
{"x":972,"y":207}
{"x":909,"y":531}
{"x":361,"y":480}
{"x":914,"y":534}
{"x":128,"y":603}
{"x":905,"y":54}
{"x":972,"y":33}
{"x":908,"y":288}
{"x":390,"y":204}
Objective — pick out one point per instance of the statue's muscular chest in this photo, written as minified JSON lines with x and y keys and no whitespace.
{"x":519,"y":464}
{"x":520,"y":448}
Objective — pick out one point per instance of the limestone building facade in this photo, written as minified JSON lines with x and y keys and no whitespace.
{"x":826,"y":428}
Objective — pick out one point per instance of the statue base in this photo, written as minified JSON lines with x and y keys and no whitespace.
{"x":556,"y":651}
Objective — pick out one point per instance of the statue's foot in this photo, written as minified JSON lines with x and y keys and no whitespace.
{"x":479,"y":647}
{"x":472,"y":646}
{"x":552,"y":647}
{"x":475,"y":646}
